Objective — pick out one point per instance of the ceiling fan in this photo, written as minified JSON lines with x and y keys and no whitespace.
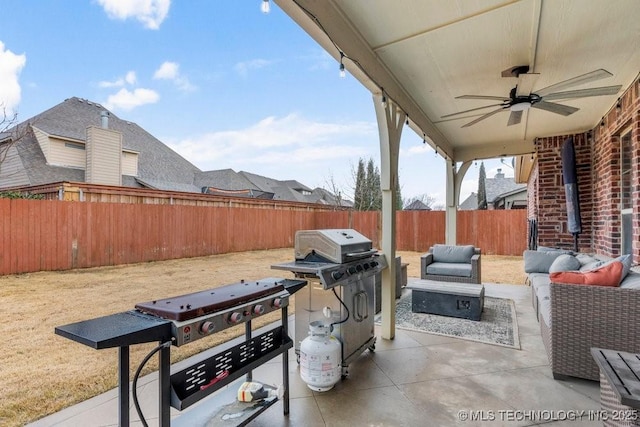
{"x":522,"y":97}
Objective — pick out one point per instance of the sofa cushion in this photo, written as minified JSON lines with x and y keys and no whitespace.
{"x":565,"y":262}
{"x":539,"y":280}
{"x":607,"y":275}
{"x":544,"y":303}
{"x":450,"y":253}
{"x":632,"y":281}
{"x":449,"y":269}
{"x":538,"y":261}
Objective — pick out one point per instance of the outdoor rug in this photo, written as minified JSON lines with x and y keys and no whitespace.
{"x":498,"y":324}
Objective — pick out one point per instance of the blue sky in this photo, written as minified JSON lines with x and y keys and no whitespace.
{"x":223,"y":84}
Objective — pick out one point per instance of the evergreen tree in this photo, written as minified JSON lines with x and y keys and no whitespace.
{"x":368,"y":193}
{"x":399,"y":201}
{"x":359,"y":193}
{"x":482,"y":192}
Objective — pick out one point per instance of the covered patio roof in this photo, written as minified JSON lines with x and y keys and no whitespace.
{"x":423,"y":54}
{"x":477,"y":79}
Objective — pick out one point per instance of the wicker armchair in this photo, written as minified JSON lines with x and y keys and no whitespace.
{"x":447,"y":263}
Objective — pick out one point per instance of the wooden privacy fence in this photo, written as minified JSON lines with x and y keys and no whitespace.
{"x":38,"y":235}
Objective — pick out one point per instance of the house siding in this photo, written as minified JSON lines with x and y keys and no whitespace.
{"x":43,"y":141}
{"x":12,"y":173}
{"x":63,"y":155}
{"x":104,"y":156}
{"x":598,"y":169}
{"x":129,"y":163}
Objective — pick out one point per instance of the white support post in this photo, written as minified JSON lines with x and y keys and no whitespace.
{"x":453,"y":186}
{"x":390,"y":121}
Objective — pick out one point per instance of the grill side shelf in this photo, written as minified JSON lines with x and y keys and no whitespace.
{"x":192,"y":384}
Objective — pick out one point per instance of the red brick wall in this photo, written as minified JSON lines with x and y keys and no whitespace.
{"x":551,"y":203}
{"x":598,"y":167}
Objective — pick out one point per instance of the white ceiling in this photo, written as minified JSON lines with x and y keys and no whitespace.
{"x":425,"y":53}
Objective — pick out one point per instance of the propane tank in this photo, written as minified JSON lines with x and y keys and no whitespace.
{"x":320,"y":358}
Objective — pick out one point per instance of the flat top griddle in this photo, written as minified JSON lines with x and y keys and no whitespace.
{"x":190,"y":306}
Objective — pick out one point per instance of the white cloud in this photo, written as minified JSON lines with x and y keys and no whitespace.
{"x":151,"y":13}
{"x":171,"y":71}
{"x":319,"y":60}
{"x":10,"y":67}
{"x":168,"y":70}
{"x":289,"y":147}
{"x":244,"y":67}
{"x":126,"y":100}
{"x":129,"y":78}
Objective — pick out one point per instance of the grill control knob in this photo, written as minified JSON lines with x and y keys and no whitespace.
{"x":258,"y":309}
{"x":374,"y":264}
{"x":207,"y":327}
{"x":352,"y":270}
{"x":277,"y":302}
{"x":235,"y":317}
{"x":336,"y":275}
{"x":366,"y":266}
{"x":358,"y":268}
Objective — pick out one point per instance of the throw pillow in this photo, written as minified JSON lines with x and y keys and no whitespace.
{"x":585,"y":259}
{"x":607,"y":275}
{"x":548,"y":249}
{"x":626,"y":264}
{"x":565,"y":263}
{"x":539,"y":262}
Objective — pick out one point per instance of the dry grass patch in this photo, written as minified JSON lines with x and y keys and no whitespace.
{"x":42,"y":373}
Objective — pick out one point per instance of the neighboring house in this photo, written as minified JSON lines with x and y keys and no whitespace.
{"x":502,"y":193}
{"x":505,"y":193}
{"x":80,"y":141}
{"x":417,"y":205}
{"x":470,"y":203}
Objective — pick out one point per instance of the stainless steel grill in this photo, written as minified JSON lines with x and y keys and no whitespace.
{"x":335,"y":257}
{"x":343,"y":261}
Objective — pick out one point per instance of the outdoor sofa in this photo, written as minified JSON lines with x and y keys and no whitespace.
{"x":575,"y":317}
{"x":451,"y":263}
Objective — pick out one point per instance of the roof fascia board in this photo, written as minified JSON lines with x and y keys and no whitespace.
{"x":64,"y":138}
{"x":492,"y":151}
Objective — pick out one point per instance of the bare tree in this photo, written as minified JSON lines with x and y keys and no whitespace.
{"x":426,"y":199}
{"x":7,"y":129}
{"x":335,"y":190}
{"x":10,"y":133}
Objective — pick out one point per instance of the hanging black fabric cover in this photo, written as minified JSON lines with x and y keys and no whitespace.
{"x":570,"y":177}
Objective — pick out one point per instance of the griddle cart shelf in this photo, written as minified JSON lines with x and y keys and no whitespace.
{"x":128,"y":328}
{"x":196,"y":382}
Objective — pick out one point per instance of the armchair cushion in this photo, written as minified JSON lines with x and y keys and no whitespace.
{"x":449,"y":269}
{"x":453,"y":254}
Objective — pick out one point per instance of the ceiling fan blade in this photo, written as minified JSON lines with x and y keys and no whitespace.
{"x":585,"y":78}
{"x":514,"y":118}
{"x":491,"y":98}
{"x":583,"y":93}
{"x":468,"y":111}
{"x":525,"y":83}
{"x":489,"y":114}
{"x":564,"y":110}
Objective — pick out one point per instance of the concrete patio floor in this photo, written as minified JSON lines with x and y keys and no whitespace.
{"x":417,"y":379}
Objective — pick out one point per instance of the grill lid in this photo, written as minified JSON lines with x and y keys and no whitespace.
{"x":333,"y":245}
